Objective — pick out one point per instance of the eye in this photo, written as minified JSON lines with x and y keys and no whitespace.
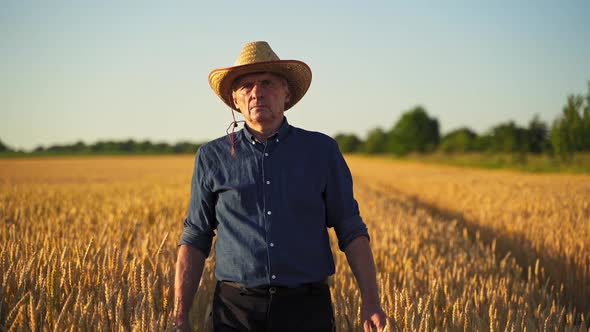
{"x":246,"y":87}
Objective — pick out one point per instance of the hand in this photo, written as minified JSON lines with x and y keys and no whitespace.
{"x":182,"y":328}
{"x":372,"y":316}
{"x":182,"y":324}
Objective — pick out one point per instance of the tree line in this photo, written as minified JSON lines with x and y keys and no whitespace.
{"x":417,"y":132}
{"x":110,"y":147}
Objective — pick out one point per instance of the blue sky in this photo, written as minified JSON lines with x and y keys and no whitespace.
{"x":96,"y":70}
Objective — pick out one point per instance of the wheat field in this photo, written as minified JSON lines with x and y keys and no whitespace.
{"x":90,"y":244}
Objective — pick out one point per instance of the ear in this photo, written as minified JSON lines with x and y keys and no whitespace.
{"x":235,"y":101}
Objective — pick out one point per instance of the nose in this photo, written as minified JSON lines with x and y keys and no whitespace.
{"x":257,"y":90}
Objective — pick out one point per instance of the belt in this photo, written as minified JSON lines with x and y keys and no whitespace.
{"x":277,"y":289}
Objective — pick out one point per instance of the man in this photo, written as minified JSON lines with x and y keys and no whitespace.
{"x":270,"y":191}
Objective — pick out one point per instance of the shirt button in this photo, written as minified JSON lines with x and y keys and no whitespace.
{"x":267,"y":182}
{"x":266,"y":154}
{"x":269,"y":213}
{"x":277,"y":140}
{"x":273,"y":276}
{"x":272,"y":244}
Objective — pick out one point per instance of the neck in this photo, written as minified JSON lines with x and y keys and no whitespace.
{"x":262,"y":131}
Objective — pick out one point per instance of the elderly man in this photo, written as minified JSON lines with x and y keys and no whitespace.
{"x":269,"y":192}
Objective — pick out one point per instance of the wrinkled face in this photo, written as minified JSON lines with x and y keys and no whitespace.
{"x":261,"y":97}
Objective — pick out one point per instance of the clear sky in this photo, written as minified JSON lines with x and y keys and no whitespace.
{"x":96,"y":70}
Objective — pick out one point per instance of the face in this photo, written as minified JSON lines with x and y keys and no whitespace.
{"x":261,"y":97}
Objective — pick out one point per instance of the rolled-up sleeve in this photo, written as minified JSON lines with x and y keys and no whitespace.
{"x":200,"y":221}
{"x":341,"y":207}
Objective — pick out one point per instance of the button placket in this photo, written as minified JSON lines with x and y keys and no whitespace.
{"x":266,"y":167}
{"x":270,"y":213}
{"x":267,"y":172}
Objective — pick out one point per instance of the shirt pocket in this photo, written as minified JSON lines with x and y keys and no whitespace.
{"x":239,"y":192}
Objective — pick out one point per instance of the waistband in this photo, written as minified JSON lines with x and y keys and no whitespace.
{"x":277,"y":289}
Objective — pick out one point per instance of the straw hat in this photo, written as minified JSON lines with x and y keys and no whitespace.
{"x":259,"y":57}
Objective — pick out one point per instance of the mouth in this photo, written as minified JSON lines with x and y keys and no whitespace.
{"x":258,"y":107}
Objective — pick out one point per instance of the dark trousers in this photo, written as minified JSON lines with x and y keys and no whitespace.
{"x":306,"y":308}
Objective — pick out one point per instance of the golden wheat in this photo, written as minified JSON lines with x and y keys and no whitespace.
{"x":90,"y":244}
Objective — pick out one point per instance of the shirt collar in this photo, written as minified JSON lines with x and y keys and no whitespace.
{"x":279,"y":135}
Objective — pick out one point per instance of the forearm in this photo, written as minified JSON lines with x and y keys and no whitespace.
{"x":360,"y":258}
{"x":189,"y":268}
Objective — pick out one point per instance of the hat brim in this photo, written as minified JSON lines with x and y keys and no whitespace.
{"x":297,"y":74}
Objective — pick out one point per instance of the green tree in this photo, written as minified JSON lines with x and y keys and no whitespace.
{"x":375,"y":142}
{"x":128,"y":146}
{"x":459,"y":140}
{"x":79,"y":147}
{"x":58,"y":148}
{"x":185,"y":147}
{"x":509,"y":138}
{"x":560,"y":140}
{"x":572,"y":114}
{"x":586,"y":123}
{"x":567,"y":132}
{"x":483,"y":142}
{"x":39,"y":149}
{"x":4,"y":148}
{"x":348,"y":142}
{"x":414,"y":132}
{"x":145,"y":146}
{"x":163,"y":148}
{"x":537,"y":136}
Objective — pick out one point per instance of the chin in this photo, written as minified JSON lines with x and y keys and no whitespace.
{"x":261,"y":117}
{"x":262,"y":120}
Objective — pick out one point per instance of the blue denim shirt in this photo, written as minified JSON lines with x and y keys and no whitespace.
{"x":271,"y":205}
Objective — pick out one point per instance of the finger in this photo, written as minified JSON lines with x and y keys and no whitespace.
{"x":367,"y":326}
{"x":379,"y":322}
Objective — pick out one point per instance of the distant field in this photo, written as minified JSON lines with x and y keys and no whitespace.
{"x":579,"y":163}
{"x":90,"y":243}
